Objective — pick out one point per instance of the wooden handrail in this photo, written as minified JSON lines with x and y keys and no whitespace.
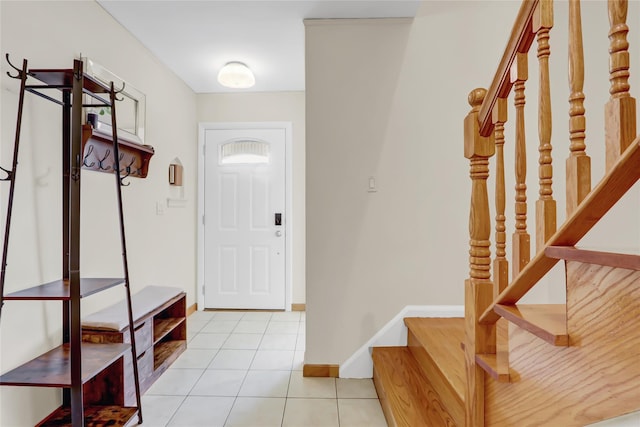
{"x":520,"y":41}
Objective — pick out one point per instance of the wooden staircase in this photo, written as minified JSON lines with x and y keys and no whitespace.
{"x":423,"y":384}
{"x":509,"y":364}
{"x":569,"y":364}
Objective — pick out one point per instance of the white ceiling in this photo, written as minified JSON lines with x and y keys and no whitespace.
{"x":196,"y":38}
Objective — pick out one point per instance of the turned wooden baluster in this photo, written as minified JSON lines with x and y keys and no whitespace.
{"x":545,"y":205}
{"x":478,"y":288}
{"x":578,"y":163}
{"x":500,"y":263}
{"x":521,"y":239}
{"x":620,"y":111}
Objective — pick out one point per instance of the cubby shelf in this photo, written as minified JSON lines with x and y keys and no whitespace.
{"x":161,"y":327}
{"x":164,"y":353}
{"x":160,"y":330}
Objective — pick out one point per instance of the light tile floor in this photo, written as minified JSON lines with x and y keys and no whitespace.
{"x":244,"y":369}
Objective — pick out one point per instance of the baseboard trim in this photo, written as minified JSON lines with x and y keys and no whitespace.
{"x":298,"y":307}
{"x":331,"y":371}
{"x":192,"y":309}
{"x":394,"y":333}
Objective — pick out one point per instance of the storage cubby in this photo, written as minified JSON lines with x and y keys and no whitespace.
{"x":160,"y":329}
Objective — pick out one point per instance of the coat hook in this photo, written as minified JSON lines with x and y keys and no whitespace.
{"x":19,"y":74}
{"x":84,"y":161}
{"x":116,"y":92}
{"x":117,"y":165}
{"x":9,"y":174}
{"x":128,"y":170}
{"x":133,"y":160}
{"x":100,"y":161}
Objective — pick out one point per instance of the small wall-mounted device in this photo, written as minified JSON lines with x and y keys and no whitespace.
{"x":175,"y":174}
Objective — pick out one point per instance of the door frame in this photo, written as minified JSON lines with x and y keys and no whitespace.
{"x":288,"y":190}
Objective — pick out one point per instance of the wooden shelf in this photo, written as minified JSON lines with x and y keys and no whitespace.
{"x":60,"y":289}
{"x":97,"y":152}
{"x":53,"y":369}
{"x":167,"y":351}
{"x":94,"y":416}
{"x":64,"y":79}
{"x":161,"y":327}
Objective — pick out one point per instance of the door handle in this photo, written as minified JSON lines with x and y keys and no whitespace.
{"x":278,"y":233}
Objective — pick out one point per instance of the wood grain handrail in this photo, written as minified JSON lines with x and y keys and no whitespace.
{"x":521,"y":38}
{"x":602,"y":198}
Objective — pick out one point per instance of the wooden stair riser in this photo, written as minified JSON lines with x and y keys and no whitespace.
{"x":408,"y":399}
{"x":438,"y":379}
{"x":442,"y":339}
{"x":596,"y":377}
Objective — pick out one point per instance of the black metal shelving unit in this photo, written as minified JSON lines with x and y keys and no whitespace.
{"x":87,"y":373}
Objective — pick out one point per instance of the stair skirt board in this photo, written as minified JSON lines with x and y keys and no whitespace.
{"x":394,"y":333}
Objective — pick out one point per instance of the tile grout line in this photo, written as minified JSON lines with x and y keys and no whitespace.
{"x":291,"y":369}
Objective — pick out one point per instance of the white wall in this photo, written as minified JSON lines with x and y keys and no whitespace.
{"x":264,"y":107}
{"x":387,"y":99}
{"x":161,"y":249}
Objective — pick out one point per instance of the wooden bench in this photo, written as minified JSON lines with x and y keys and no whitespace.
{"x":160,"y":328}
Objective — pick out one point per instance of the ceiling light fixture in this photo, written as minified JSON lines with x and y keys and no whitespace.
{"x":236,"y":75}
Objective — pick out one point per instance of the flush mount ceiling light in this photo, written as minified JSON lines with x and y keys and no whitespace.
{"x":236,"y":75}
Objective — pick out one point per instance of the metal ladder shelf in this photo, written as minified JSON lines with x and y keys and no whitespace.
{"x":74,"y":363}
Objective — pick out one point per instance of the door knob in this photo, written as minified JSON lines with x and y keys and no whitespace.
{"x":278,"y":233}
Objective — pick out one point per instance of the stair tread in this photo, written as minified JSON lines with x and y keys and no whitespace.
{"x":405,"y":393}
{"x":441,"y":338}
{"x":489,"y":363}
{"x":611,"y":259}
{"x":546,"y":321}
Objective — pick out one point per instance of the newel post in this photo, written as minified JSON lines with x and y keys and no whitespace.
{"x":479,"y":339}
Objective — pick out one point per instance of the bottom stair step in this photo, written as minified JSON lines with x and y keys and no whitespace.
{"x":407,"y":397}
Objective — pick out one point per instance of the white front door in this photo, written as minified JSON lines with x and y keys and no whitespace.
{"x":244,"y":232}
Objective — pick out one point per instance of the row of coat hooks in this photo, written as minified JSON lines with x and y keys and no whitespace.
{"x":133,"y":162}
{"x":104,"y":166}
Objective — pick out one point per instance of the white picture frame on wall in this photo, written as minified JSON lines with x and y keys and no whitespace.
{"x":131,"y":109}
